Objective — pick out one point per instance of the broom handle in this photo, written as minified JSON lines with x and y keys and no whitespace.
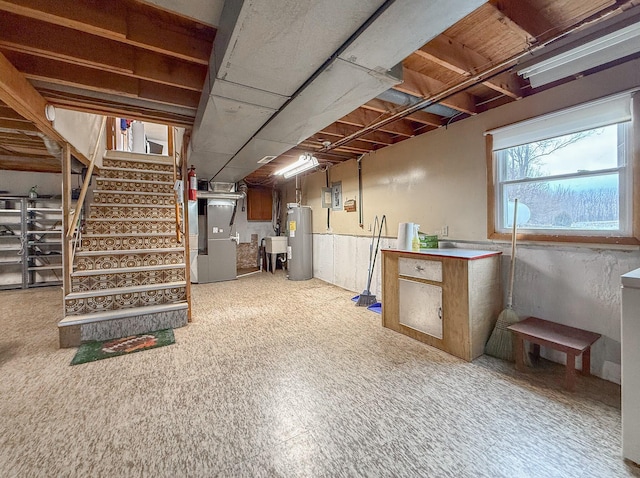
{"x":512,"y":268}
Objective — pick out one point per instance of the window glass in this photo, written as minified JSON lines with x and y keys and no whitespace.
{"x":576,"y":183}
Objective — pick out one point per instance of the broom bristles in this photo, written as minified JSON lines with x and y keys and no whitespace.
{"x":500,"y":343}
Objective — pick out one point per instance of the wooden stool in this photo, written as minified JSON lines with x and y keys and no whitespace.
{"x":563,"y":338}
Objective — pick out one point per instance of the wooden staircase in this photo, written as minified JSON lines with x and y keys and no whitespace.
{"x":129,"y":270}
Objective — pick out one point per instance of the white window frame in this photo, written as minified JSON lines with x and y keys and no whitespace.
{"x":604,"y":112}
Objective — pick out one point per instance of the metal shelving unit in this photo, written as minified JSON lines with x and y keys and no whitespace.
{"x":30,"y":242}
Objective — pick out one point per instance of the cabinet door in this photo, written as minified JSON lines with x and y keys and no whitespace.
{"x":259,"y":201}
{"x":421,"y":307}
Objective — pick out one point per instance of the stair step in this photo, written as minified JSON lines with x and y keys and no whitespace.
{"x":140,"y":157}
{"x":130,"y":251}
{"x":142,"y":181}
{"x":124,"y":290}
{"x":105,"y":261}
{"x":111,"y":184}
{"x":117,"y":227}
{"x":131,"y":234}
{"x":139,"y":193}
{"x":116,"y":169}
{"x":133,"y":219}
{"x":80,"y":319}
{"x":110,"y":204}
{"x":126,"y":270}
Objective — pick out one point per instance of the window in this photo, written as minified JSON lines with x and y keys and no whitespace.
{"x":571,"y":172}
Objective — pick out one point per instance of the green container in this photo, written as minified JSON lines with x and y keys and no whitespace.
{"x":428,"y":241}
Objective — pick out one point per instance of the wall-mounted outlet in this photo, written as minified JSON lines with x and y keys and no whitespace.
{"x":369,"y":227}
{"x":445,"y":231}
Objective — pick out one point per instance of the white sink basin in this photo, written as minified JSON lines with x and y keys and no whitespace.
{"x":276,"y":244}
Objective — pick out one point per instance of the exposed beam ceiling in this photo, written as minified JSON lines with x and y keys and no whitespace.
{"x":140,"y":60}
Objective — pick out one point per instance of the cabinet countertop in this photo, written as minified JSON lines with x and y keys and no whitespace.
{"x":468,"y":254}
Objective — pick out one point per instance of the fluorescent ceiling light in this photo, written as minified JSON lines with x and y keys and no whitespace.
{"x":298,"y":163}
{"x":607,"y":48}
{"x":304,"y":163}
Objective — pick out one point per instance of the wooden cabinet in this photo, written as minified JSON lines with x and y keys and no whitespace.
{"x":259,"y":204}
{"x":447,"y":298}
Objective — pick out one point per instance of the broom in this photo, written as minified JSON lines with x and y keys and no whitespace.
{"x":367,"y":298}
{"x":500,"y":343}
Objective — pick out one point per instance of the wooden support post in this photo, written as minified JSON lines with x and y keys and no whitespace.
{"x":185,"y":202}
{"x":111,"y":133}
{"x":170,"y":140}
{"x":67,"y":256}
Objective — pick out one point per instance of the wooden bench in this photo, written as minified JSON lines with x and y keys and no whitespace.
{"x":563,"y":338}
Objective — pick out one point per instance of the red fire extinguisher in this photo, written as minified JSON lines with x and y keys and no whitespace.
{"x":193,"y":183}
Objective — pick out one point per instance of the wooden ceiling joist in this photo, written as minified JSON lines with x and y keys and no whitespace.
{"x":362,"y":117}
{"x":456,"y":57}
{"x":523,"y":18}
{"x":54,"y":42}
{"x":133,"y":108}
{"x":420,"y":85}
{"x":340,"y":130}
{"x":128,"y":22}
{"x":13,"y":125}
{"x":514,"y":17}
{"x":20,"y":163}
{"x":56,"y":72}
{"x":421,"y":117}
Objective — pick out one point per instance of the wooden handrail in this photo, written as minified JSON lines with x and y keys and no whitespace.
{"x":76,"y":214}
{"x":174,"y":154}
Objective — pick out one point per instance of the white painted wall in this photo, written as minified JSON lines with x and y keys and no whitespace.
{"x":18,"y":183}
{"x":81,"y":130}
{"x":439,"y":178}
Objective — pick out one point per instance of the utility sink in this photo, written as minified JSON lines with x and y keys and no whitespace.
{"x":276,"y":244}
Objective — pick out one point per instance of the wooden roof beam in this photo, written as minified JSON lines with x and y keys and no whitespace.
{"x":455,"y":56}
{"x":58,"y":43}
{"x":423,"y":86}
{"x":126,"y":22}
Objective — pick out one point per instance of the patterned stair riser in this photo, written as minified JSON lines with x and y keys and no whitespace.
{"x":117,"y":243}
{"x":131,"y":174}
{"x":133,"y":164}
{"x":129,"y":227}
{"x":128,"y":279}
{"x":108,"y":260}
{"x":100,"y":303}
{"x":116,"y":186}
{"x":131,"y":212}
{"x":132,"y":199}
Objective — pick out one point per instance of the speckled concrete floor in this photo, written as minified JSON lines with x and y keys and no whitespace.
{"x":281,"y":378}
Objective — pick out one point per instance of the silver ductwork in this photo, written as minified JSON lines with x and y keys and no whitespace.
{"x":405,"y":99}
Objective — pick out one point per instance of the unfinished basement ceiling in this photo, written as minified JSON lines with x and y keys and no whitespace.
{"x":22,"y":146}
{"x":156,"y":61}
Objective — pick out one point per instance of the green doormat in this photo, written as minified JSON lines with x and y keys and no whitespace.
{"x":92,"y":351}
